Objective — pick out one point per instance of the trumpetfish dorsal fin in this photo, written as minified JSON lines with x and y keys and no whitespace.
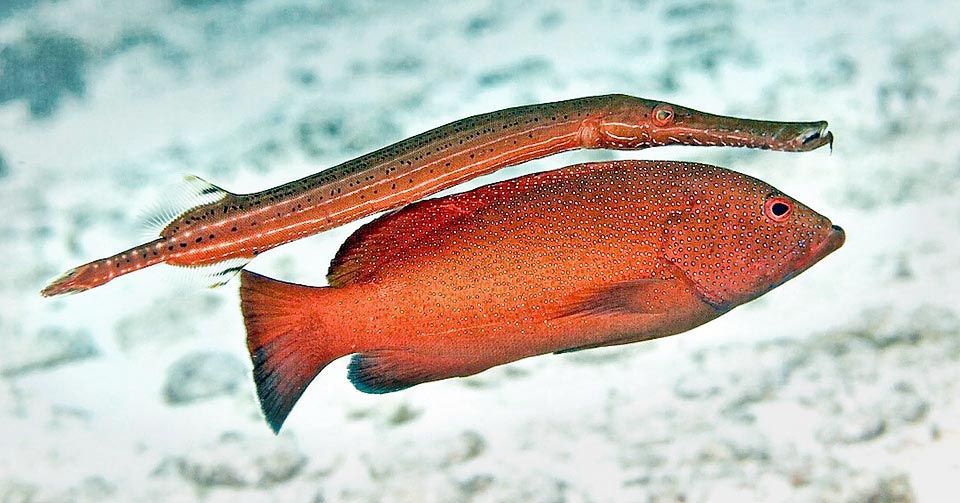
{"x":192,"y":192}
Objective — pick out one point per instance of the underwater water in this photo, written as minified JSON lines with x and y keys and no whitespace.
{"x":842,"y":385}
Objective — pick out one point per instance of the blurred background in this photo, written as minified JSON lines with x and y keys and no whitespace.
{"x":840,"y":386}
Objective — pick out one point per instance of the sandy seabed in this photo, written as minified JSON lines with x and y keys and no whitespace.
{"x":840,"y":386}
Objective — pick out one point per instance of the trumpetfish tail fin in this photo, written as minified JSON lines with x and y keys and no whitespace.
{"x":98,"y":272}
{"x":194,"y":193}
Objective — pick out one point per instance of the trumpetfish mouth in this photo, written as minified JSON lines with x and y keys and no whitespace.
{"x":815,"y":137}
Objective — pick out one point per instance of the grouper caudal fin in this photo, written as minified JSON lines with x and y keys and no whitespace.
{"x":288,"y":342}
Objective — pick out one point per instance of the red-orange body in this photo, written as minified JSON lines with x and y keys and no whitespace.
{"x":237,"y":227}
{"x":591,"y":255}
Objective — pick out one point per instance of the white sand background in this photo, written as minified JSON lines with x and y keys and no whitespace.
{"x":841,"y":385}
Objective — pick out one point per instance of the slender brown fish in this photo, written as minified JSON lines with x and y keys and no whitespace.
{"x":586,"y":256}
{"x":228,"y":230}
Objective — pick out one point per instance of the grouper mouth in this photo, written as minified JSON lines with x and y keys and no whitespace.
{"x":833,"y":241}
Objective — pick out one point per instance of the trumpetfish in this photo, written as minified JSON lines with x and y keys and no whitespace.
{"x":221,"y":231}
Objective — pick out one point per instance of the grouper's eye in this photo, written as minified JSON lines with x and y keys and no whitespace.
{"x":778,"y":208}
{"x":662,"y":115}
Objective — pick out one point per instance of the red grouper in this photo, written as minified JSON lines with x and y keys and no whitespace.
{"x":220,"y":232}
{"x":591,"y":255}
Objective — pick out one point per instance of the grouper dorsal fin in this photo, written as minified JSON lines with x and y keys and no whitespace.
{"x":394,"y":235}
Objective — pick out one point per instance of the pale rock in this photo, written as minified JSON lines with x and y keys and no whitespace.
{"x":203,"y":375}
{"x":242,"y":462}
{"x":857,"y":427}
{"x":696,"y":386}
{"x":49,"y":347}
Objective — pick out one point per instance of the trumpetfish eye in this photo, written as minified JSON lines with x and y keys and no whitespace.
{"x":777,"y":209}
{"x":662,"y":115}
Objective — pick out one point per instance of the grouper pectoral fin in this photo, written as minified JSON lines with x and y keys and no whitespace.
{"x":642,"y":296}
{"x":633,"y":297}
